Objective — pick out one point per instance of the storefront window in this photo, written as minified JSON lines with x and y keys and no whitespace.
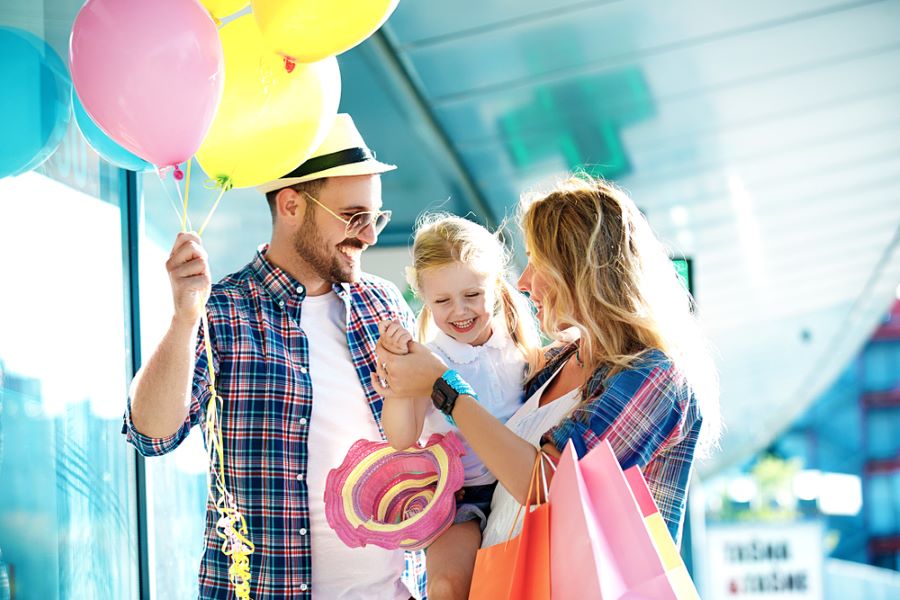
{"x":67,"y":501}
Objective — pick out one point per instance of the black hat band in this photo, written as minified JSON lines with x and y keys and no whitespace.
{"x":340,"y":158}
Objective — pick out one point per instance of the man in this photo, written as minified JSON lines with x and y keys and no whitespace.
{"x":293,"y":338}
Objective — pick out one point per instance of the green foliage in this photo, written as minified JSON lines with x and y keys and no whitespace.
{"x":774,"y":500}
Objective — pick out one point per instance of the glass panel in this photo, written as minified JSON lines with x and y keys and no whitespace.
{"x":67,"y":501}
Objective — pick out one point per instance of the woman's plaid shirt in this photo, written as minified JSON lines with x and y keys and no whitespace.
{"x":650,"y":417}
{"x":261,"y":360}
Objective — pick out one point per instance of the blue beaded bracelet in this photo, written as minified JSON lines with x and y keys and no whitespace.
{"x":460,"y":386}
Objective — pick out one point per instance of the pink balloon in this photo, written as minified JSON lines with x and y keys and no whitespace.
{"x":150,"y":73}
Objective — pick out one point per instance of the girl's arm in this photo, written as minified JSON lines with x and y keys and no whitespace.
{"x":398,"y":418}
{"x":506,"y":455}
{"x":401,"y":417}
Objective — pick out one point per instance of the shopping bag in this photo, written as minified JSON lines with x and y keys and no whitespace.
{"x":676,"y":571}
{"x":518,"y":569}
{"x":601,"y":546}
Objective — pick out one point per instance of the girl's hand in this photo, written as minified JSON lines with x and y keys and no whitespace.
{"x":408,"y":376}
{"x":394,"y":337}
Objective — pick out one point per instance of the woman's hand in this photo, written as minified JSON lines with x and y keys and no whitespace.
{"x":410,"y":375}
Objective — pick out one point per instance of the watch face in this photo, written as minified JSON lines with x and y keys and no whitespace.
{"x":438,"y":397}
{"x":441,"y":394}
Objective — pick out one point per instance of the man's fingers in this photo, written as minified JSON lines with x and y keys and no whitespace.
{"x":185,"y":252}
{"x":189,"y":269}
{"x":183,"y":239}
{"x":184,"y":236}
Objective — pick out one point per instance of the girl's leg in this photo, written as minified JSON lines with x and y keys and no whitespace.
{"x":450,"y":561}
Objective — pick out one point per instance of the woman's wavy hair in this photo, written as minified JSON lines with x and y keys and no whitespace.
{"x":607,"y":275}
{"x":442,"y":239}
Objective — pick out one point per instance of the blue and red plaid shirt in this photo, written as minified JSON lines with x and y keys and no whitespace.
{"x":649,"y":415}
{"x":261,"y":359}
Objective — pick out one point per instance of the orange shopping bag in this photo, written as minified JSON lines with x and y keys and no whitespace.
{"x":520,"y":568}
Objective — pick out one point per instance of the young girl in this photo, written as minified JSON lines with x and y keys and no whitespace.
{"x":485,"y":331}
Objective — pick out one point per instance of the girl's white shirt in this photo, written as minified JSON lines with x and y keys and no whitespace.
{"x":496,"y":371}
{"x":530,"y":423}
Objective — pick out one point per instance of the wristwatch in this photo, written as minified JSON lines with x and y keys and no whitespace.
{"x":447,"y":388}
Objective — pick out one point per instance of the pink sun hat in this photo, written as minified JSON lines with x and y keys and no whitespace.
{"x":395,"y":498}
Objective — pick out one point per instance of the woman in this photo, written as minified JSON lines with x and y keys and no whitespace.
{"x":629,"y":365}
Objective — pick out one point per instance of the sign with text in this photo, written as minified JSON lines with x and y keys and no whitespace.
{"x":762,"y":561}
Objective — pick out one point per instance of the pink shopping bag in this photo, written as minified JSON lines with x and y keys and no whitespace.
{"x":600,"y":544}
{"x":676,"y":571}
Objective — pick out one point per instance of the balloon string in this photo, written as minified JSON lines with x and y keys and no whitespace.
{"x":182,"y":213}
{"x":168,"y":194}
{"x":187,"y":191}
{"x":224,"y":186}
{"x":231,"y":526}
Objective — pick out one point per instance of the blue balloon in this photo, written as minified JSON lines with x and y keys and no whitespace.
{"x":34,"y":105}
{"x":109,"y":150}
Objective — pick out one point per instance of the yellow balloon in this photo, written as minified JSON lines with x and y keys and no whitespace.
{"x":310,"y":30}
{"x":269,"y":121}
{"x":219,"y":9}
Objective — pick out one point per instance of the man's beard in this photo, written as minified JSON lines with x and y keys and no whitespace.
{"x":312,"y":249}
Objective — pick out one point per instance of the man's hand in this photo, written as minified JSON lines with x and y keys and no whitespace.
{"x":394,"y":337}
{"x":189,"y":275}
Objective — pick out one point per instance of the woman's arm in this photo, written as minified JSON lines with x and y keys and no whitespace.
{"x":506,"y":455}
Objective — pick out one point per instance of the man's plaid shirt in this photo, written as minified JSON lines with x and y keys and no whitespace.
{"x":261,"y":359}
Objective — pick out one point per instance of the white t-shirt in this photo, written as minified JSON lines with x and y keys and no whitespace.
{"x":496,"y":371}
{"x":530,"y":423}
{"x":340,"y":416}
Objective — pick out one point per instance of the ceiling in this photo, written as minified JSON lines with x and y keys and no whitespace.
{"x":761,"y":139}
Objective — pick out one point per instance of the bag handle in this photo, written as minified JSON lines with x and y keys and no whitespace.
{"x":541,"y":482}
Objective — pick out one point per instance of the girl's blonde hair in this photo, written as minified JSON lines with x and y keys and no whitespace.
{"x":442,"y":239}
{"x":606,"y":274}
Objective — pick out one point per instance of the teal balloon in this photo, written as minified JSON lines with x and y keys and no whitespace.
{"x":34,"y":103}
{"x":103,"y":145}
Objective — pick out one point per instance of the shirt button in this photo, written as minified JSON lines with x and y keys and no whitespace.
{"x":304,"y":370}
{"x":303,"y":531}
{"x":303,"y":421}
{"x":304,"y":587}
{"x":281,"y":303}
{"x":299,"y":476}
{"x":300,"y":289}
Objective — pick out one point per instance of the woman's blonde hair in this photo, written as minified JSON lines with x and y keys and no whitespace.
{"x":442,"y":239}
{"x":607,"y":274}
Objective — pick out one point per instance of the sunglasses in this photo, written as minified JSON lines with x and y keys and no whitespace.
{"x":358,"y":222}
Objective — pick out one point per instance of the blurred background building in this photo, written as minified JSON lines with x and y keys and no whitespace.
{"x":761,"y":140}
